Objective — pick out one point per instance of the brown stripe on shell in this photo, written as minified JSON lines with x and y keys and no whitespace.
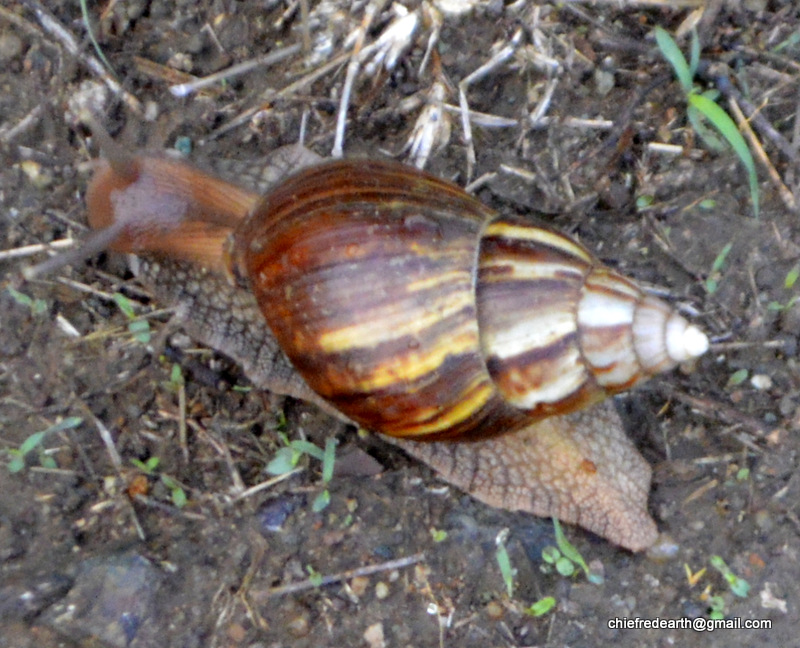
{"x":373,"y":300}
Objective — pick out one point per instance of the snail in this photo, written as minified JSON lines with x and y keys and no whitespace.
{"x":399,"y":302}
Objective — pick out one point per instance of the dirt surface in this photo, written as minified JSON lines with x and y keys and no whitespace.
{"x":96,"y":553}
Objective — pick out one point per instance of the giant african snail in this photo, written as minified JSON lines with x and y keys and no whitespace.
{"x":418,"y":312}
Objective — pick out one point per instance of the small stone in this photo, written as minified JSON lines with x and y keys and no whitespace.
{"x":374,"y":636}
{"x":299,"y":626}
{"x":494,"y":610}
{"x":359,"y":585}
{"x":762,"y":382}
{"x":381,"y":590}
{"x":10,"y":47}
{"x":664,"y":549}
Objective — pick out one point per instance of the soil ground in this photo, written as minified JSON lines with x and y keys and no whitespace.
{"x":98,"y":554}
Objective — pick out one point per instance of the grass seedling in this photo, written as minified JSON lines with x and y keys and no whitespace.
{"x":138,"y":327}
{"x":716,"y":607}
{"x":93,"y":40}
{"x":788,"y":284}
{"x":712,"y":281}
{"x":34,"y":444}
{"x":564,"y":557}
{"x":702,"y":108}
{"x":37,"y":306}
{"x":149,"y":467}
{"x":438,"y":535}
{"x":569,"y":551}
{"x":286,"y":459}
{"x":504,"y":562}
{"x":739,"y":586}
{"x":314,"y":577}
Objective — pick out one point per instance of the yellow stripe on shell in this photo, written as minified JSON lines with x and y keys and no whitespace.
{"x":413,"y":366}
{"x":472,"y":401}
{"x":555,"y":240}
{"x":369,"y":333}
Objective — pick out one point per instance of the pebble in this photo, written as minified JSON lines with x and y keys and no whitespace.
{"x":10,"y":47}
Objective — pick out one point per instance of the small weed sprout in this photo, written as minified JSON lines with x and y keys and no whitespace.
{"x":716,"y":602}
{"x":716,"y":607}
{"x":712,"y":281}
{"x":37,"y":306}
{"x":138,"y":327}
{"x":541,"y":607}
{"x":314,"y":577}
{"x":286,"y":460}
{"x":788,"y":283}
{"x":564,"y":557}
{"x":34,"y":443}
{"x":438,"y":535}
{"x":702,"y":107}
{"x":504,"y":562}
{"x":738,"y":377}
{"x":739,"y":586}
{"x":149,"y":468}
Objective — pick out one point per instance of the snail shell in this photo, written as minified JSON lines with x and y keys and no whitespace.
{"x":414,"y":310}
{"x":419,"y":312}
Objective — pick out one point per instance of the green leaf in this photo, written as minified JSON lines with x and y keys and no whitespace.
{"x":565,"y":566}
{"x":791,"y":277}
{"x":438,"y":535}
{"x":177,"y":493}
{"x":16,"y":464}
{"x":328,"y":460}
{"x":283,"y":462}
{"x":740,"y":587}
{"x":20,"y":297}
{"x":541,"y":607}
{"x":321,"y":501}
{"x":32,"y":442}
{"x":694,"y":54}
{"x":306,"y":447}
{"x":567,"y":549}
{"x":124,"y":305}
{"x":140,"y":329}
{"x":698,"y":121}
{"x":719,"y":260}
{"x":738,"y":377}
{"x":550,"y":554}
{"x":506,"y":571}
{"x":314,"y":576}
{"x":670,"y":50}
{"x":37,"y":306}
{"x":728,"y":129}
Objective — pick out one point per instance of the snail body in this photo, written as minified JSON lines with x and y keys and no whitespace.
{"x":409,"y":307}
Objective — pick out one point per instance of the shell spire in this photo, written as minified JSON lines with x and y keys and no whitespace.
{"x":561,"y":331}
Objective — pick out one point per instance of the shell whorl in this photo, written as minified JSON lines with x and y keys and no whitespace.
{"x":418,"y":312}
{"x":560,"y":330}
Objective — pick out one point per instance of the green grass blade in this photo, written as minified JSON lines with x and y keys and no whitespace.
{"x":694,"y":55}
{"x":669,"y":48}
{"x":708,"y":135}
{"x":95,"y":44}
{"x":728,"y":129}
